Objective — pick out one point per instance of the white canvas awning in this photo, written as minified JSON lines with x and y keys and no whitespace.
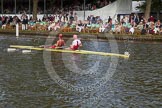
{"x":118,"y":7}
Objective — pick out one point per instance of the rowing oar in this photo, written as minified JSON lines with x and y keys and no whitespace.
{"x":44,"y":46}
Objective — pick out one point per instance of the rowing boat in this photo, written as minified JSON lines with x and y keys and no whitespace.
{"x":70,"y":51}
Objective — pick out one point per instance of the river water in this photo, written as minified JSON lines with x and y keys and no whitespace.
{"x":43,"y":79}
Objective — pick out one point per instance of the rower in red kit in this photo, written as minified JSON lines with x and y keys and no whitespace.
{"x":76,"y":43}
{"x":60,"y":43}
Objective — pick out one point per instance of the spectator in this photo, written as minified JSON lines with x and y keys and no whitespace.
{"x":140,"y":26}
{"x":71,"y":18}
{"x":57,"y":25}
{"x":118,"y":28}
{"x":102,"y":27}
{"x":24,"y":22}
{"x":75,"y":17}
{"x":131,"y":30}
{"x":151,"y":19}
{"x":109,"y":19}
{"x":79,"y":26}
{"x":136,"y":19}
{"x":158,"y":24}
{"x":51,"y":26}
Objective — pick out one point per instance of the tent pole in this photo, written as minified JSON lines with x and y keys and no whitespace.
{"x":84,"y":9}
{"x":15,"y":7}
{"x":44,"y":7}
{"x":2,"y":6}
{"x":29,"y":9}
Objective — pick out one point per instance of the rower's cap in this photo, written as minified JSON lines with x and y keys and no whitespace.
{"x":75,"y":36}
{"x":60,"y":35}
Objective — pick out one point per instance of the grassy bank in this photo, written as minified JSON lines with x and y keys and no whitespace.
{"x":85,"y":35}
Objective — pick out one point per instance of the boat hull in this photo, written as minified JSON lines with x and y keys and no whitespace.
{"x":70,"y":51}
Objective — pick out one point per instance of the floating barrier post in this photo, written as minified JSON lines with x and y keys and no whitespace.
{"x":17,"y":30}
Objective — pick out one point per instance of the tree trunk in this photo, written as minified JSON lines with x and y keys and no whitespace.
{"x":148,"y":9}
{"x":35,"y":6}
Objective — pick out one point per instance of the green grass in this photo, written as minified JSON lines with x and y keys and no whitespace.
{"x":100,"y":35}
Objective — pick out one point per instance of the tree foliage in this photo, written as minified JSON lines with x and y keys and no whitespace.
{"x":155,"y":6}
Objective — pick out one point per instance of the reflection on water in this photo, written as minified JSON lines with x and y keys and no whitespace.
{"x":136,"y":83}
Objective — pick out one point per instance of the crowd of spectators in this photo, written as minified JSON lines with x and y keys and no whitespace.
{"x":129,"y":24}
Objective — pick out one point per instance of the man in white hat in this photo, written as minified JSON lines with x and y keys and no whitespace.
{"x":76,"y":43}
